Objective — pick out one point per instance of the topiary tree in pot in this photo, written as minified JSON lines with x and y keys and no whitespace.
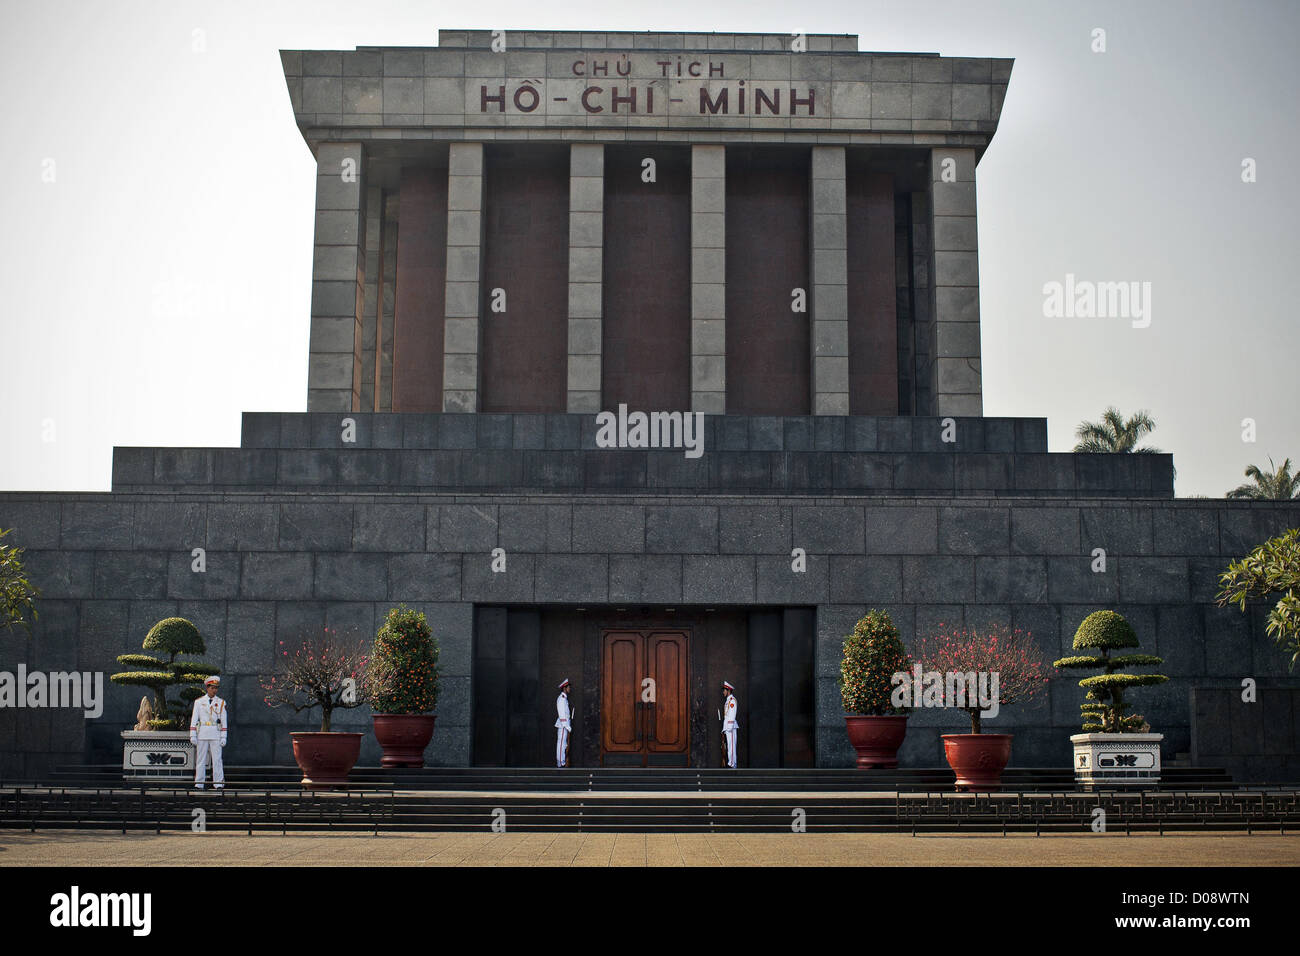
{"x":403,"y":680}
{"x":872,"y":655}
{"x":1115,"y":745}
{"x":164,"y":746}
{"x":172,"y":636}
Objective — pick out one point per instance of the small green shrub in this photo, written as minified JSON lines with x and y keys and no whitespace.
{"x":873,"y":653}
{"x":403,"y":670}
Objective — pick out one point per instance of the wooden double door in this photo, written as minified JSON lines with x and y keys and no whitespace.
{"x":644,"y":713}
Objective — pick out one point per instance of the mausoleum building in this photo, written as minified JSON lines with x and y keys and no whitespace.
{"x":645,"y":355}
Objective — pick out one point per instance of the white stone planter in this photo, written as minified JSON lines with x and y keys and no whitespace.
{"x":1109,"y":760}
{"x":157,"y":753}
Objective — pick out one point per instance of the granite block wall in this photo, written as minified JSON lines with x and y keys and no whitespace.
{"x":287,"y":563}
{"x":554,"y":453}
{"x":1255,"y":735}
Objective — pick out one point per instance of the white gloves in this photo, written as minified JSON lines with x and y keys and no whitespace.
{"x":194,"y":738}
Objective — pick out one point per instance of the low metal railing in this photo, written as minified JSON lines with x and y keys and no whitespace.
{"x":151,"y":808}
{"x":1257,"y":807}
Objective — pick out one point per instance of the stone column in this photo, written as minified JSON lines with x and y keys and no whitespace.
{"x":955,"y":281}
{"x":586,"y":250}
{"x":460,"y":377}
{"x":338,"y":280}
{"x":830,"y":291}
{"x":708,"y":279}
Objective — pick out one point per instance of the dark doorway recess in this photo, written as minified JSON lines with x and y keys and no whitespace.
{"x":646,"y":279}
{"x":872,"y":292}
{"x":768,"y":345}
{"x":525,"y":255}
{"x":522,"y":653}
{"x":421,"y":288}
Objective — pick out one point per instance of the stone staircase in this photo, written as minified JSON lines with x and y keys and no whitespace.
{"x":270,"y":799}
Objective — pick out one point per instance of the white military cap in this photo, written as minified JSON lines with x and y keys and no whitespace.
{"x":563,"y":684}
{"x":214,"y":679}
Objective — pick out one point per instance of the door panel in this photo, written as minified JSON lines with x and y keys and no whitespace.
{"x":632,"y":729}
{"x":667,"y":666}
{"x":620,"y":691}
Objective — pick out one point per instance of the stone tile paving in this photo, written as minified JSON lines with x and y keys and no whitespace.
{"x":77,"y":848}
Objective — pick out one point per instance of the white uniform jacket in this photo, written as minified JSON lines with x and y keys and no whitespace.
{"x":562,"y":712}
{"x":209,"y":719}
{"x":729,"y":721}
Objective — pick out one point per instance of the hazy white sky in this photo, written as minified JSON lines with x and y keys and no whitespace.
{"x":159,"y":285}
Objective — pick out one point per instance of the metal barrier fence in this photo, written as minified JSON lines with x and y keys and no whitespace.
{"x":1129,"y":810}
{"x":158,"y":809}
{"x":144,"y":808}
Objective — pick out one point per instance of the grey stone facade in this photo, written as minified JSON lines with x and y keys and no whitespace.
{"x":285,"y":559}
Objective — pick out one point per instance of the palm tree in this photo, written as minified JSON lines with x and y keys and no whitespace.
{"x":1276,"y":485}
{"x":1114,"y":434}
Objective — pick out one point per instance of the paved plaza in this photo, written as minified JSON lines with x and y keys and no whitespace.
{"x":79,"y":848}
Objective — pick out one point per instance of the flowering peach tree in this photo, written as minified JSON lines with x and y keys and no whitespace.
{"x":1011,"y":655}
{"x":328,"y":672}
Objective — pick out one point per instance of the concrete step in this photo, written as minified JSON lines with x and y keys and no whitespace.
{"x":239,"y":809}
{"x":648,"y":780}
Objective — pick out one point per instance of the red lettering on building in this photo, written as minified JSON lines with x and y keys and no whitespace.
{"x":713,"y":106}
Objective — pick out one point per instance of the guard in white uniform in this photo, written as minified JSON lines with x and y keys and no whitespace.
{"x":208,"y":734}
{"x":563,"y":724}
{"x":729,"y":722}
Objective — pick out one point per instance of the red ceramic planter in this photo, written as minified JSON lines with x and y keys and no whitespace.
{"x":877,"y":739}
{"x":403,"y":737}
{"x":977,"y":759}
{"x":326,"y":759}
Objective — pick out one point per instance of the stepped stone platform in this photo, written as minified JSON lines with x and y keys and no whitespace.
{"x":558,"y":453}
{"x":269,"y":799}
